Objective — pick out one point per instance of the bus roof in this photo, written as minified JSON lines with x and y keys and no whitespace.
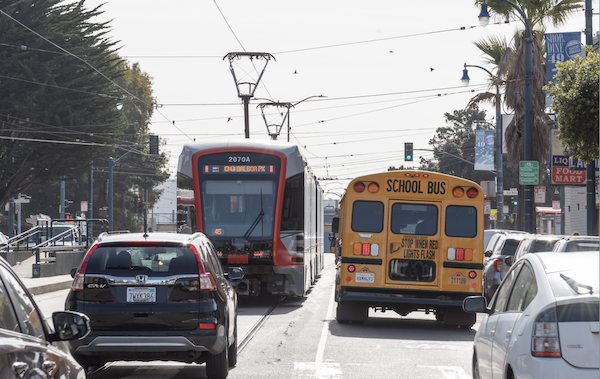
{"x":290,"y":150}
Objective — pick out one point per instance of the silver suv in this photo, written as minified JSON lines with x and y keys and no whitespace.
{"x":536,"y":243}
{"x":577,"y":243}
{"x":495,"y":267}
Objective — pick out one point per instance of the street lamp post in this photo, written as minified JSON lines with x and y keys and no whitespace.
{"x":112,"y":163}
{"x":247,"y":93}
{"x":285,"y":119}
{"x":498,"y":132}
{"x":484,"y":19}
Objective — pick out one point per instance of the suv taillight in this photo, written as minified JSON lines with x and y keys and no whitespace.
{"x":79,"y":278}
{"x":497,"y":265}
{"x":206,"y":281}
{"x":544,"y":339}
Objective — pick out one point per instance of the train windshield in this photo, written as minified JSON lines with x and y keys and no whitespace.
{"x":238,"y":195}
{"x":239,"y":208}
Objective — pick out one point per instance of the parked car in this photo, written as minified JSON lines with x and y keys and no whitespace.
{"x":535,"y":243}
{"x":543,"y":321}
{"x":577,"y":243}
{"x":26,"y":340}
{"x":488,"y":234}
{"x":496,"y":265}
{"x":156,"y":296}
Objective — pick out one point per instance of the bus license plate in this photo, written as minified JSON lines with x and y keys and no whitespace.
{"x":362,"y":277}
{"x":141,"y":294}
{"x":458,"y":279}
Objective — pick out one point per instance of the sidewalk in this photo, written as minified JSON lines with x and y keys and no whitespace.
{"x":38,"y":286}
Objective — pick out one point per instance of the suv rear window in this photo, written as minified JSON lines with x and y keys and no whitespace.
{"x":147,"y":260}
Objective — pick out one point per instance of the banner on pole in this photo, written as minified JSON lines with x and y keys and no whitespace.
{"x":484,"y":149}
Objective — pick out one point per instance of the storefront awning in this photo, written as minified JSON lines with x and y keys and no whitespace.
{"x":546,"y":210}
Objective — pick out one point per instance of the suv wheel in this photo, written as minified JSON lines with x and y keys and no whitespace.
{"x":217,"y":366}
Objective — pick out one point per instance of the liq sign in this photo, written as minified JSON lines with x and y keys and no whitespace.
{"x":562,"y":174}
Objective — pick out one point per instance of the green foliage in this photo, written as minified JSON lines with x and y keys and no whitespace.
{"x":457,"y":139}
{"x":574,"y":91}
{"x":57,"y":113}
{"x":60,"y":112}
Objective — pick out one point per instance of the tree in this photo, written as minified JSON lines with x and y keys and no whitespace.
{"x":135,"y":173}
{"x":574,"y":91}
{"x":511,"y":66}
{"x":454,"y":141}
{"x":58,"y":99}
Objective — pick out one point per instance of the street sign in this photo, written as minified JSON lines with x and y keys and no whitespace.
{"x":561,"y":174}
{"x":83,"y":206}
{"x":529,"y":173}
{"x":511,"y":192}
{"x":539,"y":194}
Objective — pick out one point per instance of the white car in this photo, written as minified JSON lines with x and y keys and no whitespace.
{"x":543,"y":320}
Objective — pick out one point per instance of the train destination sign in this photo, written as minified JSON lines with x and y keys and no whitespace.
{"x":234,"y":169}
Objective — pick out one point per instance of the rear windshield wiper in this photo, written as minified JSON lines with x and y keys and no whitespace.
{"x":575,"y":285}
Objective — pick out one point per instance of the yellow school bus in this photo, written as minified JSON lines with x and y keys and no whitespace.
{"x":409,"y":241}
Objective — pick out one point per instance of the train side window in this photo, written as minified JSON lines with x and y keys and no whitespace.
{"x":461,"y":221}
{"x":292,"y":215}
{"x":367,"y":216}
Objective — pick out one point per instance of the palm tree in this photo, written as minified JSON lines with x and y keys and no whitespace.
{"x":510,"y":68}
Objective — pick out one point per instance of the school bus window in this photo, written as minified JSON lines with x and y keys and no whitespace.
{"x":461,"y":221}
{"x":412,"y":270}
{"x":420,"y":219}
{"x":367,"y":216}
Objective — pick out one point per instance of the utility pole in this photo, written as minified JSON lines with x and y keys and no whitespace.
{"x":591,"y":166}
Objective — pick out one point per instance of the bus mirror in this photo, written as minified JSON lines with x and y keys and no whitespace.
{"x":335,"y":223}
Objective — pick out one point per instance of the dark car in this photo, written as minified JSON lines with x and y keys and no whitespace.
{"x":26,"y":341}
{"x":496,"y":265}
{"x":536,"y":243}
{"x":156,"y":296}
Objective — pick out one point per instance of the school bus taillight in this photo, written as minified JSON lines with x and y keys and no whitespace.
{"x":359,"y":187}
{"x":472,"y":193}
{"x":366,"y":249}
{"x":459,"y":254}
{"x":373,"y":187}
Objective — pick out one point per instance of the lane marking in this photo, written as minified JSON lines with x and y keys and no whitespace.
{"x":325,"y":330}
{"x":450,"y":372}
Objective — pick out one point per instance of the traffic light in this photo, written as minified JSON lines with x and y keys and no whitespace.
{"x":514,"y":201}
{"x":138,"y":204}
{"x":408,"y":151}
{"x":153,"y":145}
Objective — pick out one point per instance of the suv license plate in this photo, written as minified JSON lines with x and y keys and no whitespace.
{"x":141,"y":294}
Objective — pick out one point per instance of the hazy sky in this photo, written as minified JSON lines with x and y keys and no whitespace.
{"x":389,"y":70}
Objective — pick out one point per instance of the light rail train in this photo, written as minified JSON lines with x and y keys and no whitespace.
{"x":262,"y":208}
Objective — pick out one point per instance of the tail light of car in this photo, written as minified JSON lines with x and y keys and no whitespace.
{"x":79,"y":278}
{"x":497,"y":265}
{"x":545,"y":341}
{"x":206,"y":281}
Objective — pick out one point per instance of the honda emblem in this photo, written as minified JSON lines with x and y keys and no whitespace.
{"x":141,"y":278}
